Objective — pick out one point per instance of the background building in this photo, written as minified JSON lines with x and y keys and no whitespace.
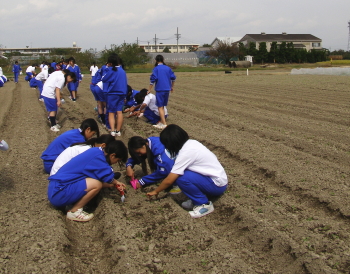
{"x":173,"y":48}
{"x":300,"y":41}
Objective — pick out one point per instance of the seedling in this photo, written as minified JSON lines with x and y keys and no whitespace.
{"x":310,"y":219}
{"x":306,"y":239}
{"x":259,"y":210}
{"x":237,"y":196}
{"x":204,"y":262}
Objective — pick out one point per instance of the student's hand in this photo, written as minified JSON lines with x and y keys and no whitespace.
{"x":172,"y":89}
{"x":152,"y":193}
{"x":59,"y":103}
{"x":120,"y":186}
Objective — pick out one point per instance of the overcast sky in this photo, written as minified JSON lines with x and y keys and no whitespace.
{"x":96,"y":24}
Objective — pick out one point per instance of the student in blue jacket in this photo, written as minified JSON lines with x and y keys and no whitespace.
{"x":163,"y":79}
{"x":158,"y":159}
{"x":16,"y":69}
{"x":87,"y":129}
{"x":117,"y":83}
{"x":73,"y":86}
{"x":82,"y":178}
{"x":130,"y":99}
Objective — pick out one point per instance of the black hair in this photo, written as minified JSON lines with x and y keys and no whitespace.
{"x":53,"y":61}
{"x":119,"y":149}
{"x":115,"y":60}
{"x":173,"y":138}
{"x":34,"y":65}
{"x":103,"y":139}
{"x":89,"y":123}
{"x":137,"y":142}
{"x":94,"y":63}
{"x":139,"y":98}
{"x":71,"y":59}
{"x":67,"y":73}
{"x":16,"y":62}
{"x":159,"y":59}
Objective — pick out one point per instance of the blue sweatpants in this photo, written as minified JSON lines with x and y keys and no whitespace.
{"x":16,"y":76}
{"x":151,"y":116}
{"x":197,"y":187}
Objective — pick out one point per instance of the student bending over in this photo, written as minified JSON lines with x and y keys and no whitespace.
{"x":82,"y":178}
{"x":196,"y":171}
{"x":87,"y":129}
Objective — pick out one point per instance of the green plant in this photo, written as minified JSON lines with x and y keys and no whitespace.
{"x":237,"y":196}
{"x":204,"y":262}
{"x":306,"y":239}
{"x":310,"y":219}
{"x":259,"y":210}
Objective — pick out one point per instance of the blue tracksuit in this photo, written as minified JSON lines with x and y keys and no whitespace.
{"x":131,"y":100}
{"x":16,"y":69}
{"x":162,"y":161}
{"x":162,"y":76}
{"x":58,"y":145}
{"x":116,"y":81}
{"x":73,"y":86}
{"x":68,"y":185}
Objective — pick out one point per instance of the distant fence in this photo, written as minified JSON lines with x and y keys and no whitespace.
{"x":189,"y":58}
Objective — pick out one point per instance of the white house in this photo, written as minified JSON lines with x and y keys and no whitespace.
{"x":227,"y":40}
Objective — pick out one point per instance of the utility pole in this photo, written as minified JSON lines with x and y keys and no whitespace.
{"x":349,"y":36}
{"x":155,"y":42}
{"x":137,"y":41}
{"x":177,"y":35}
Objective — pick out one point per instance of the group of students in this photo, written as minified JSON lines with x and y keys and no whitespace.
{"x":114,"y":96}
{"x":80,"y":166}
{"x":79,"y":161}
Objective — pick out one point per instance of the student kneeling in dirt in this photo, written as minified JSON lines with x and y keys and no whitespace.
{"x":158,"y":159}
{"x":196,"y":171}
{"x":82,"y":178}
{"x":149,"y":107}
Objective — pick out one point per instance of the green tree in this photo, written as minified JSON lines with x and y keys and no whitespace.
{"x":224,"y":51}
{"x":290,"y":52}
{"x":281,"y":57}
{"x":252,"y":50}
{"x":262,"y":55}
{"x":242,"y":51}
{"x":272,"y":56}
{"x":206,"y":46}
{"x":131,"y":54}
{"x":166,"y":50}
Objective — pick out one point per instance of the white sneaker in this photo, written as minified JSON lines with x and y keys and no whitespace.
{"x":41,"y":100}
{"x":160,"y":126}
{"x":187,"y":204}
{"x":58,"y":126}
{"x":70,"y":97}
{"x":54,"y":128}
{"x":80,"y":215}
{"x":113,"y":133}
{"x":202,"y":210}
{"x":117,"y":133}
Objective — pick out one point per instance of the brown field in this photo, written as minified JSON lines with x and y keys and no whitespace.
{"x":284,"y":142}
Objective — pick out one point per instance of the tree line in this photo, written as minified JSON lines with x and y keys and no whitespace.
{"x":279,"y":53}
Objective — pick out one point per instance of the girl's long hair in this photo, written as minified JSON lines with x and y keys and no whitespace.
{"x":159,"y":59}
{"x":137,"y":142}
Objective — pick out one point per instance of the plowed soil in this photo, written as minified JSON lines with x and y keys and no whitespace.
{"x":283,"y":140}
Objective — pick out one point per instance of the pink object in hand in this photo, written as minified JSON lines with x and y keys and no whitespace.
{"x":134,"y":183}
